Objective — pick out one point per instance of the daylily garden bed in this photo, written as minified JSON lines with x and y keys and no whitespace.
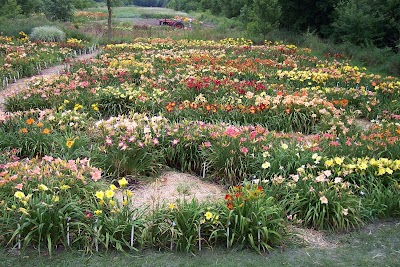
{"x":272,"y":121}
{"x":20,"y":57}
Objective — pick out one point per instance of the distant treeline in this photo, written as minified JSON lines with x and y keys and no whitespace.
{"x":371,"y":22}
{"x":149,"y":3}
{"x":145,"y":3}
{"x":356,"y":21}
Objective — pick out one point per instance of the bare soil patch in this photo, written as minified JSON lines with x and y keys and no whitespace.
{"x":363,"y":123}
{"x":172,"y":186}
{"x":312,"y":238}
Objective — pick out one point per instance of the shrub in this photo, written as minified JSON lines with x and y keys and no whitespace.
{"x":47,"y":34}
{"x":10,"y":9}
{"x":72,"y":32}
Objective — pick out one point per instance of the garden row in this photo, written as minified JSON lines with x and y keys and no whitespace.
{"x":20,"y":57}
{"x":270,"y":118}
{"x":69,"y":206}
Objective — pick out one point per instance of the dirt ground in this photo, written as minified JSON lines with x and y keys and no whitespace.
{"x":171,"y":186}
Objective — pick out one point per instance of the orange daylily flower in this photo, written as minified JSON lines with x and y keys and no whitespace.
{"x":30,"y":121}
{"x":46,"y":131}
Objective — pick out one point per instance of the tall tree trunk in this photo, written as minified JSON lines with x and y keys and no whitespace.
{"x":109,"y":34}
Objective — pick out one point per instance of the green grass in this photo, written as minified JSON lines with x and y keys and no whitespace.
{"x":381,"y":61}
{"x":377,"y":244}
{"x":140,"y":12}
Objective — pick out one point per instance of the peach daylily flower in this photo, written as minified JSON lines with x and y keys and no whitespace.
{"x":96,"y":175}
{"x":323,"y":200}
{"x":19,"y":186}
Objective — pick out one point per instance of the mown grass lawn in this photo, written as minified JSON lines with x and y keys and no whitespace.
{"x":142,"y":12}
{"x":376,"y":244}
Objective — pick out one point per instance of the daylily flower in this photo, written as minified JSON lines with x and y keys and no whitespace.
{"x":323,"y":200}
{"x":122,"y":182}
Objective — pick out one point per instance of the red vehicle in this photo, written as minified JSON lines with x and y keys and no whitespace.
{"x":172,"y":23}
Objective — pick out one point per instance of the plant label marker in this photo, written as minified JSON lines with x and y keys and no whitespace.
{"x":68,"y":241}
{"x":204,"y":170}
{"x":259,"y":236}
{"x":132,"y":234}
{"x":96,"y":236}
{"x":227,"y":235}
{"x":19,"y":236}
{"x":199,"y":234}
{"x":172,"y":243}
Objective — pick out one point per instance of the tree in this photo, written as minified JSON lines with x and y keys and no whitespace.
{"x":231,"y":8}
{"x":357,"y":22}
{"x":81,"y":4}
{"x":26,"y":7}
{"x":10,"y":9}
{"x":58,"y":9}
{"x":390,"y":10}
{"x":109,"y":28}
{"x":302,"y":15}
{"x":30,"y":6}
{"x":264,"y":16}
{"x":367,"y":21}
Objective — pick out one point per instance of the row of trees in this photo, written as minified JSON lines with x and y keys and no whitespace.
{"x":356,"y":21}
{"x":53,"y":9}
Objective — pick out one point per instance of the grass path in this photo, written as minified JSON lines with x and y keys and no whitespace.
{"x":376,"y":244}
